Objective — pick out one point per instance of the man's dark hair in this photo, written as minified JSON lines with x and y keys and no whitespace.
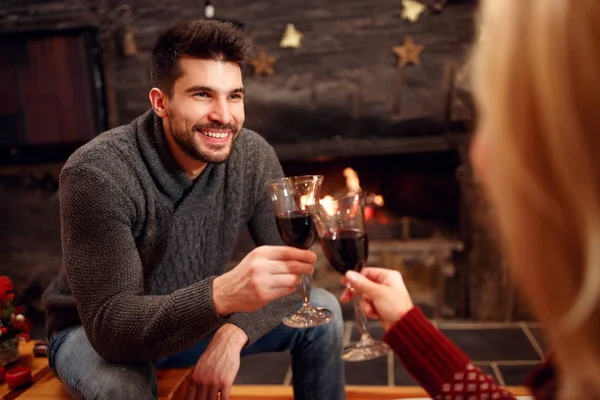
{"x":205,"y":39}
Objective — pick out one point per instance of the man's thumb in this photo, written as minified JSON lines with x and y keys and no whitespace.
{"x":361,"y":283}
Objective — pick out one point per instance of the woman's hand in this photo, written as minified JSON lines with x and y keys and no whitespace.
{"x":384,"y":295}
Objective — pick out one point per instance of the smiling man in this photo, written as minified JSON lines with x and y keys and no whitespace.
{"x":150,"y":214}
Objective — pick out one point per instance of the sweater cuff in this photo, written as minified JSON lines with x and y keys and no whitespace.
{"x":258,"y":323}
{"x":194,"y":308}
{"x":426,"y":353}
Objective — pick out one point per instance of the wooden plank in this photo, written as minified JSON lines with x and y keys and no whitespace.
{"x":172,"y":385}
{"x":278,"y":392}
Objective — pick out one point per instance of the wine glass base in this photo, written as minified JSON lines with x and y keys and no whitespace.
{"x":366,"y":349}
{"x":308,"y":317}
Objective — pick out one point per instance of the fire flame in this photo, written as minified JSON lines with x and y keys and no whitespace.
{"x":353,"y":187}
{"x":352,"y":181}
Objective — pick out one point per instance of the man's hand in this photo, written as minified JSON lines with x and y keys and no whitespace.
{"x":265,"y":274}
{"x":218,"y":366}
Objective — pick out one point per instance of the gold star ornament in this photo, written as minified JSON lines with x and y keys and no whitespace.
{"x":412,"y":10}
{"x":291,"y":37}
{"x":408,"y":53}
{"x":263,"y":65}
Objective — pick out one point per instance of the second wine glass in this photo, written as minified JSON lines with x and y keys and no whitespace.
{"x":340,"y":224}
{"x":291,"y":198}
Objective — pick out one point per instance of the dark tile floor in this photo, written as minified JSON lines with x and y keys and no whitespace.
{"x":506,"y":351}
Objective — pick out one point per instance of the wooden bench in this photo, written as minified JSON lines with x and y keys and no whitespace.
{"x":173,"y":385}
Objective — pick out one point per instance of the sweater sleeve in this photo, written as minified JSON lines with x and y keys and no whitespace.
{"x":106,"y":277}
{"x":263,"y":229}
{"x":437,"y":364}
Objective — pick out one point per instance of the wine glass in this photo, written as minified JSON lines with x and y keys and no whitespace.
{"x":290,"y":197}
{"x":340,"y":224}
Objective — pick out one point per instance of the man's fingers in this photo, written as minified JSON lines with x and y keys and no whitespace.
{"x":225,"y":393}
{"x":288,"y":253}
{"x":280,"y":292}
{"x":213,"y":393}
{"x":191,"y":392}
{"x":284,"y":281}
{"x":202,"y":393}
{"x":291,"y":267}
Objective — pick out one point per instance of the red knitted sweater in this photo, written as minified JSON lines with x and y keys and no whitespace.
{"x":440,"y":367}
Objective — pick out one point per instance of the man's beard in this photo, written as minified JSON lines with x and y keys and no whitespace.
{"x":189,"y":143}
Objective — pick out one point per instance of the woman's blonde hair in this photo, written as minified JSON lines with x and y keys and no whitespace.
{"x":537,"y":83}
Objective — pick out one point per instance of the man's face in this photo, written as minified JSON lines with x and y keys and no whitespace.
{"x":206,"y":110}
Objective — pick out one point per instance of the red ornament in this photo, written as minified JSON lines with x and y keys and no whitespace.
{"x":4,"y":330}
{"x":18,"y":376}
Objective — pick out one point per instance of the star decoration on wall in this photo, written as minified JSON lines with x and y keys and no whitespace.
{"x":408,"y":53}
{"x":291,"y":37}
{"x":412,"y":10}
{"x":263,"y":64}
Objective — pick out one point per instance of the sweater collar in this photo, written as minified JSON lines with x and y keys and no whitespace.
{"x":166,"y":173}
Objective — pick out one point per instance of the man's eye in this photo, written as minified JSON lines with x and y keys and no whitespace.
{"x":236,"y":96}
{"x":201,"y":94}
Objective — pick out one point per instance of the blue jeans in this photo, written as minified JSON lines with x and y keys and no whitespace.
{"x":318,"y":370}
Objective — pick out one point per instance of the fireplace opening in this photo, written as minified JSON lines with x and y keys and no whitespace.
{"x":418,"y":189}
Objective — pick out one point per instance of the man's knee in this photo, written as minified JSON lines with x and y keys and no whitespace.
{"x":322,"y":298}
{"x":121,"y":382}
{"x":127,"y":385}
{"x":86,"y":375}
{"x":334,"y":330}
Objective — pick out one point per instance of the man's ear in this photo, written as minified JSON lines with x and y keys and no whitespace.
{"x":159,"y":101}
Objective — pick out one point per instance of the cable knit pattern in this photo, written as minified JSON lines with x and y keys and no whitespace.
{"x":142,"y":243}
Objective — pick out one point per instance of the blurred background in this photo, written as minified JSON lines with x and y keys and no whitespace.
{"x":369,"y":93}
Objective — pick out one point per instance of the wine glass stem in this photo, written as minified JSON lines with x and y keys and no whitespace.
{"x":305,"y":289}
{"x":361,"y":319}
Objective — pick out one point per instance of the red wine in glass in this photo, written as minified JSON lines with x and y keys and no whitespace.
{"x":297,"y":229}
{"x":341,"y":227}
{"x":291,"y":198}
{"x":346,"y":249}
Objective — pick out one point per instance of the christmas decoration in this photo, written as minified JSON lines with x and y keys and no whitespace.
{"x":209,"y":9}
{"x":13,"y":325}
{"x":130,"y":47}
{"x":291,"y":37}
{"x":439,"y":6}
{"x":408,"y":53}
{"x":412,"y":10}
{"x":263,"y":65}
{"x":18,"y":376}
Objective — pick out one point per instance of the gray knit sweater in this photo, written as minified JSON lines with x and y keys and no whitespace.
{"x":142,"y":242}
